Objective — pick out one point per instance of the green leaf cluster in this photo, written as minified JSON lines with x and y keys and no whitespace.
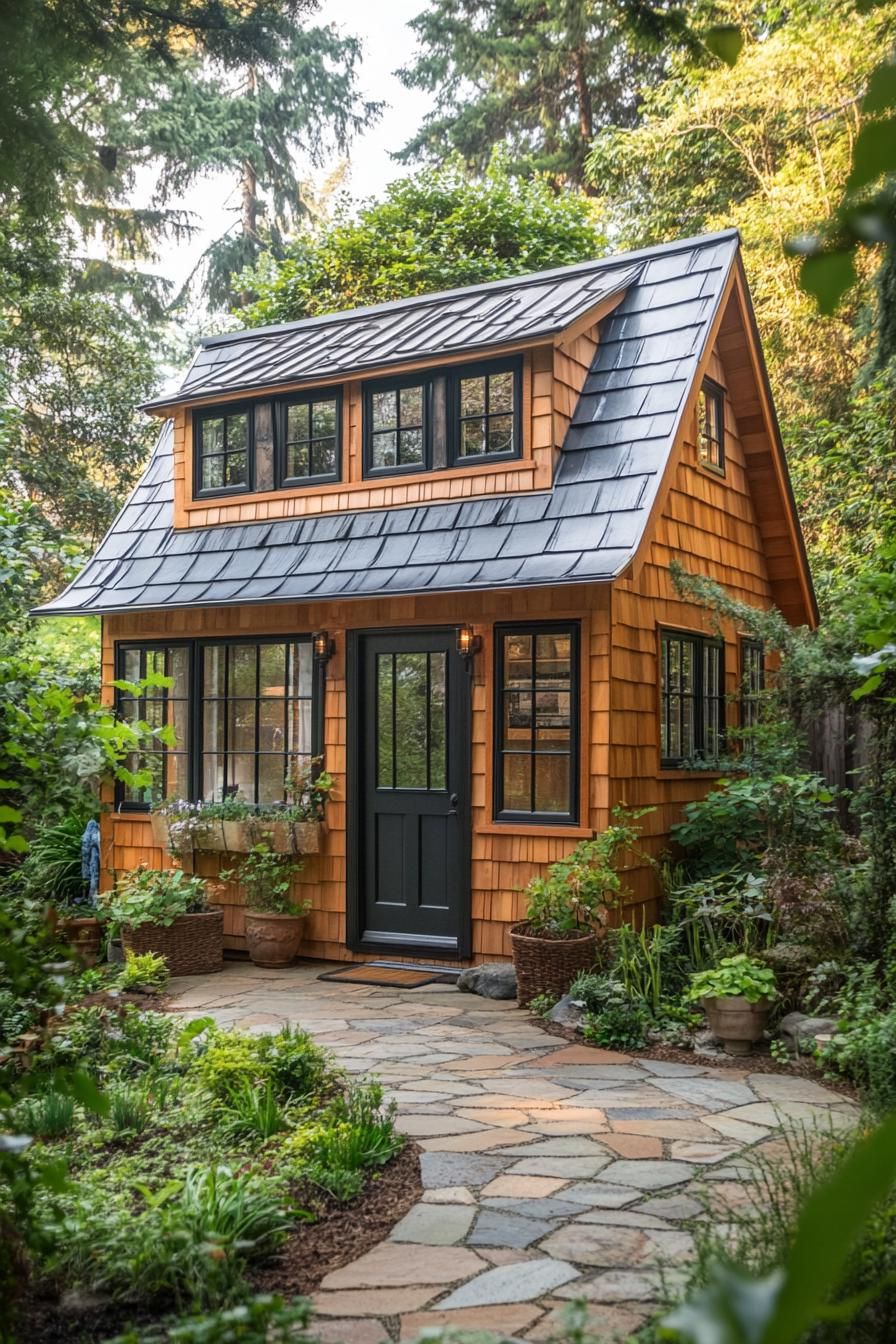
{"x":739,"y":976}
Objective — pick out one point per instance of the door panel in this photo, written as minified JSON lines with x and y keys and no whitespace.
{"x":414,"y":721}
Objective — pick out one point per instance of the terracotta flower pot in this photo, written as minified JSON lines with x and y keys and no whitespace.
{"x":84,"y":937}
{"x":549,"y":965}
{"x":736,"y":1021}
{"x":272,"y":940}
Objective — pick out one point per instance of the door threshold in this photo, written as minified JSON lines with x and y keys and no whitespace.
{"x":416,"y":966}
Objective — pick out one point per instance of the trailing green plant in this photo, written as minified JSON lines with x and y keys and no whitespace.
{"x":266,"y":879}
{"x":154,"y":896}
{"x":720,"y":915}
{"x":614,"y":1020}
{"x":143,"y":970}
{"x":111,"y":1039}
{"x":356,"y":1132}
{"x":578,"y":891}
{"x":863,"y":1048}
{"x":49,"y":1115}
{"x":542,"y":1004}
{"x":734,"y":977}
{"x":262,"y":1319}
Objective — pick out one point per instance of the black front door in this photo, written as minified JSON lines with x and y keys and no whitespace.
{"x":413,"y":867}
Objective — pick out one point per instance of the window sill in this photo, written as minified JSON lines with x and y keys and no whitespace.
{"x":711,"y":468}
{"x":552,"y":829}
{"x":675,"y":772}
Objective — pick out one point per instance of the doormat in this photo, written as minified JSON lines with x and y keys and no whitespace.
{"x":396,"y":977}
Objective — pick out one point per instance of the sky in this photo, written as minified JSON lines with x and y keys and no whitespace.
{"x":387,"y":44}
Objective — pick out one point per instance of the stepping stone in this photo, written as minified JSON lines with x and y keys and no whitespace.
{"x":704,"y":1154}
{"x":615,"y":1285}
{"x":336,"y":1331}
{"x":593,"y":1193}
{"x":522,"y":1282}
{"x":663,"y":1068}
{"x":450,"y":1194}
{"x":434,"y":1224}
{"x":470,"y":1143}
{"x":509,"y":1319}
{"x":441,"y":1169}
{"x":424,"y":1126}
{"x":623,"y":1218}
{"x":494,"y":1227}
{"x":603,"y":1321}
{"x":780,"y":1087}
{"x":580,"y":1054}
{"x":647,"y":1175}
{"x":796,"y":1114}
{"x":712,"y":1094}
{"x":633,"y":1145}
{"x":568,"y":1147}
{"x":677,"y":1207}
{"x":522,"y":1187}
{"x":736,"y":1129}
{"x":548,"y":1207}
{"x":538,"y":1089}
{"x":486,"y":1115}
{"x":606,"y":1247}
{"x":373,"y":1302}
{"x":669,"y":1246}
{"x":568,"y":1168}
{"x":392,"y":1266}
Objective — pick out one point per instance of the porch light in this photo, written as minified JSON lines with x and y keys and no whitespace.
{"x":467,"y":643}
{"x":322,"y":646}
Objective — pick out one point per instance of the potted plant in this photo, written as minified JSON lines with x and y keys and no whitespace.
{"x":167,"y":912}
{"x":273,"y":916}
{"x":737,"y":996}
{"x":80,"y":929}
{"x":567,"y":911}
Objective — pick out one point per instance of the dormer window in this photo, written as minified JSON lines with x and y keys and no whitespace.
{"x":223,"y":439}
{"x":308,"y":437}
{"x":486,"y":411}
{"x":711,"y":425}
{"x":397,"y":429}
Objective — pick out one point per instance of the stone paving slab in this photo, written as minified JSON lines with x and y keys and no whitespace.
{"x":551,"y":1172}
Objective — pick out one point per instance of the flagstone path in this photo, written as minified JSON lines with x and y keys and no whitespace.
{"x":551,"y":1171}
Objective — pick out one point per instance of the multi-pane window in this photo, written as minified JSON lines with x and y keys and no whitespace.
{"x":692,"y":698}
{"x":223,"y":446}
{"x":396,"y":427}
{"x":163,"y":674}
{"x":486,"y":408}
{"x":411,"y":719}
{"x":256,"y":718}
{"x":309,"y":435}
{"x":752,"y":681}
{"x":711,"y":425}
{"x":536,"y":720}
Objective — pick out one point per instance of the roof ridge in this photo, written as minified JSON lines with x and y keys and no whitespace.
{"x":616,"y":259}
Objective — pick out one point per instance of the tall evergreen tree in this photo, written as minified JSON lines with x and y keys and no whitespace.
{"x":540,"y":77}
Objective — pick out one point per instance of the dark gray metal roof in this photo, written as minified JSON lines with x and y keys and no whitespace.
{"x":587,"y":527}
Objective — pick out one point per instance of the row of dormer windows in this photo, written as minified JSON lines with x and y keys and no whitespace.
{"x":427,"y":421}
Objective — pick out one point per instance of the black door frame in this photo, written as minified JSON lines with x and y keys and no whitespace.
{"x":461,"y":720}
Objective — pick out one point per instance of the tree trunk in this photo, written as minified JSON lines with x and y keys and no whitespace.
{"x":586,"y":118}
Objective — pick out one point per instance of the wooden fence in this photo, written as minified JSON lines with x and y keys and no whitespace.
{"x":839,"y":749}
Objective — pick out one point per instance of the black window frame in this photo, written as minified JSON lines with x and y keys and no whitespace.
{"x":482,"y":368}
{"x":143,"y":647}
{"x":423,"y":380}
{"x":714,"y":392}
{"x":698,"y":698}
{"x":750,"y":698}
{"x":281,"y":420}
{"x":199,"y":415}
{"x":500,"y":813}
{"x":196,"y":699}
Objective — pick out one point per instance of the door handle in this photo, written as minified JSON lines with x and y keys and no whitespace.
{"x":452,"y":802}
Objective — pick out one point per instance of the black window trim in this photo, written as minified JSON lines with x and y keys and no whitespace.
{"x":421,"y":378}
{"x":195,"y":699}
{"x":225,"y":408}
{"x":710,"y":388}
{"x":509,"y":364}
{"x":503,"y":816}
{"x":280,"y":409}
{"x":746,"y":642}
{"x":700,"y":641}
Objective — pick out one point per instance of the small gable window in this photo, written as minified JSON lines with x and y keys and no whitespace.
{"x":309,"y":438}
{"x":537,"y":722}
{"x":711,"y":425}
{"x":692,"y":699}
{"x":396,"y":420}
{"x":486,"y":411}
{"x":223,"y":444}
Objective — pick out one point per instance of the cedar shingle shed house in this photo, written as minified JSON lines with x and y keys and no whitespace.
{"x":431,"y":540}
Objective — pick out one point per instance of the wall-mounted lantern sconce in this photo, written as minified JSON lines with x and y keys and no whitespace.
{"x":323,"y":647}
{"x":468,"y":644}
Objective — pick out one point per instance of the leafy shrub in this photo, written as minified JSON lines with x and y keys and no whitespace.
{"x":154,"y":896}
{"x":355,"y":1133}
{"x":124,"y":1040}
{"x":266,"y":879}
{"x":263,"y":1319}
{"x":575,"y":894}
{"x":734,"y":977}
{"x":49,"y":1115}
{"x":253,"y":1112}
{"x":864,"y":1046}
{"x":17,"y":1014}
{"x":297,"y":1065}
{"x":720,"y":915}
{"x":146,"y":969}
{"x":230,"y":1062}
{"x":612,"y":1018}
{"x":647,"y":961}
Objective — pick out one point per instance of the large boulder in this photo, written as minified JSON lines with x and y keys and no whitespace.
{"x":567,"y":1012}
{"x":496,"y":980}
{"x":798,"y":1030}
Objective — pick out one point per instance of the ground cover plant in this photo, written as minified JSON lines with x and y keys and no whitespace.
{"x":212,"y":1148}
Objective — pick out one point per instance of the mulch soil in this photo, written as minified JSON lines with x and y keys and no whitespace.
{"x":758,"y":1061}
{"x":338,"y":1235}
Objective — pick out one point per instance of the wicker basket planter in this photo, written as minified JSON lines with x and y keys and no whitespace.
{"x":549,"y":965}
{"x":191,"y":945}
{"x":272,"y":940}
{"x":84,"y":937}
